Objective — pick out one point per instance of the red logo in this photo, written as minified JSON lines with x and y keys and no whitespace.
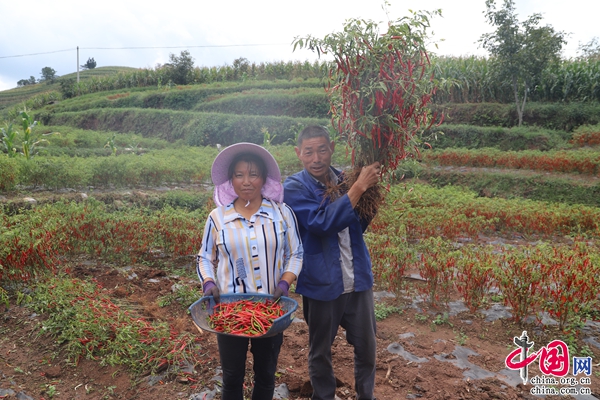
{"x":554,"y":358}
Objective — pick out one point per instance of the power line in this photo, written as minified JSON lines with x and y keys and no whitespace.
{"x":37,"y":54}
{"x":183,"y":47}
{"x":149,"y":47}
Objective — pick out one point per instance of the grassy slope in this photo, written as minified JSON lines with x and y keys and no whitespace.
{"x":13,"y":97}
{"x":242,"y":110}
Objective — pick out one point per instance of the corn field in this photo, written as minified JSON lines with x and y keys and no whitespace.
{"x":459,"y":80}
{"x":472,"y":80}
{"x":571,"y":81}
{"x":204,"y":75}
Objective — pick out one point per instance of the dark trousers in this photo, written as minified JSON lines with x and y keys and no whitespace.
{"x":356,"y":314}
{"x":233,"y":350}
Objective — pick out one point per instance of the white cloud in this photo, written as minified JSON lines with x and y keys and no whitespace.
{"x":6,"y":83}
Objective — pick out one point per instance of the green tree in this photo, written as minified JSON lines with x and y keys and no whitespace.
{"x":520,"y":51}
{"x":48,"y":75}
{"x":241,"y":67}
{"x":180,"y":68}
{"x":90,"y":64}
{"x":590,"y":50}
{"x":25,"y":82}
{"x":68,"y":87}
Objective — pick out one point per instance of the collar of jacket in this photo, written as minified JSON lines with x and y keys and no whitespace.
{"x":307,"y":177}
{"x":265,"y":210}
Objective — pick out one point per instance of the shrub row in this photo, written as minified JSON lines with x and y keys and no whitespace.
{"x":184,"y":198}
{"x":560,"y":116}
{"x":586,"y":135}
{"x":154,"y":168}
{"x":582,"y":161}
{"x":508,"y":185}
{"x":187,"y":165}
{"x":177,"y":98}
{"x":313,"y":103}
{"x":194,"y":128}
{"x":72,"y":138}
{"x":453,"y":212}
{"x":306,"y":103}
{"x":506,"y":139}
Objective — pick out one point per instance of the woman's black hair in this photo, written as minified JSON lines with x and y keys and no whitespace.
{"x":250,"y":158}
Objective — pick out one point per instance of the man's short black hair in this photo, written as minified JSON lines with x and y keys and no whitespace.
{"x":313,"y":131}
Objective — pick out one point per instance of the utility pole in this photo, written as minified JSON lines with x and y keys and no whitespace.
{"x":77,"y":64}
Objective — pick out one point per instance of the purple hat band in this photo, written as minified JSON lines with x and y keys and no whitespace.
{"x":224,"y":193}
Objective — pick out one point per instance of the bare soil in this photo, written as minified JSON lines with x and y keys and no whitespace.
{"x":32,"y":363}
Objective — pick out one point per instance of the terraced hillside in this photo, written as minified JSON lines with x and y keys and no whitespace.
{"x":100,"y":227}
{"x":18,"y":96}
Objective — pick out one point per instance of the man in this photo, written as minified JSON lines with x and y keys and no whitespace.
{"x":336,"y":281}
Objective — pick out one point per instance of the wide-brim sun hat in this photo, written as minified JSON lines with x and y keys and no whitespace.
{"x":224,"y":193}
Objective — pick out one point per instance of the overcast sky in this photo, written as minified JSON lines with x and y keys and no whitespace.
{"x":259,"y":30}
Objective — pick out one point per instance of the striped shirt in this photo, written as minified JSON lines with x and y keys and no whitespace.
{"x":250,"y":255}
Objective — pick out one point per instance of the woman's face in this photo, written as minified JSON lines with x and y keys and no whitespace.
{"x":247,"y":181}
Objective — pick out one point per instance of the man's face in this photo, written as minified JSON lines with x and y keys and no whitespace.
{"x":315,"y":154}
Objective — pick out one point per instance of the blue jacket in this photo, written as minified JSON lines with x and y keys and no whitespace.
{"x":319,"y":221}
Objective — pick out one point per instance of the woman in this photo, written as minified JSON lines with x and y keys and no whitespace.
{"x":252,"y":240}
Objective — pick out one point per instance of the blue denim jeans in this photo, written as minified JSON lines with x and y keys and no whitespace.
{"x":233,"y":350}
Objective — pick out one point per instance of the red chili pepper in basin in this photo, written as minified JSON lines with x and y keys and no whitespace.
{"x":245,"y":317}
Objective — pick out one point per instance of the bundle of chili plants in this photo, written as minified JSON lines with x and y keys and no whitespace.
{"x":380,"y":87}
{"x":245,"y":317}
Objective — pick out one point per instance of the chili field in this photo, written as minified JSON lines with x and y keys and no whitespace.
{"x":459,"y":241}
{"x":71,"y":260}
{"x":586,"y":162}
